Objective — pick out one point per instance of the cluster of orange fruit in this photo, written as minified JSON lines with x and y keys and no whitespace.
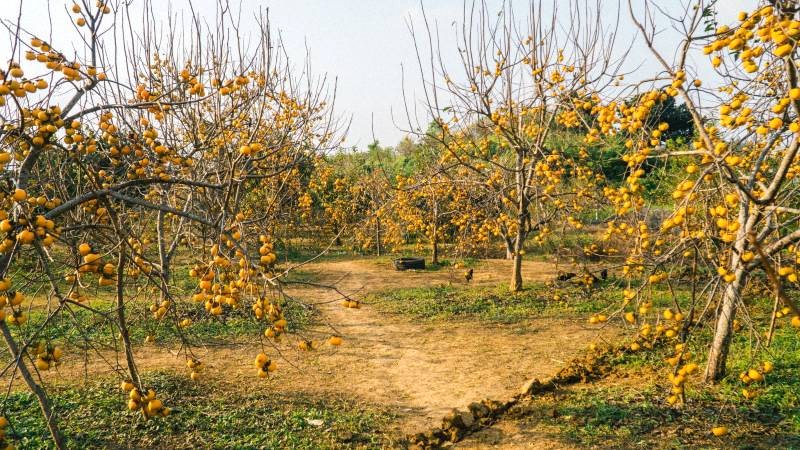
{"x":597,"y":319}
{"x":147,"y":403}
{"x":47,"y":356}
{"x":250,"y":148}
{"x":264,"y":365}
{"x":19,"y":88}
{"x":81,"y":21}
{"x":28,"y":227}
{"x":193,"y":85}
{"x":42,"y":123}
{"x":267,"y":257}
{"x":350,"y":303}
{"x":648,"y":334}
{"x":679,"y":378}
{"x":195,"y":366}
{"x":55,"y":61}
{"x":272,"y":311}
{"x":140,"y":263}
{"x":12,"y":299}
{"x":782,"y":33}
{"x":752,"y":376}
{"x":93,"y":263}
{"x":215,"y":295}
{"x":160,"y":309}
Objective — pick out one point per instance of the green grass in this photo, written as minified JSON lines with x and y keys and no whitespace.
{"x":621,"y":413}
{"x":635,"y":413}
{"x":498,"y":304}
{"x":75,"y":325}
{"x":636,"y":416}
{"x":625,"y":417}
{"x":490,"y":304}
{"x":95,"y":416}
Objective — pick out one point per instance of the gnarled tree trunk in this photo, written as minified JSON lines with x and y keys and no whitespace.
{"x":41,"y":395}
{"x":718,"y":353}
{"x":522,"y":224}
{"x":723,"y":330}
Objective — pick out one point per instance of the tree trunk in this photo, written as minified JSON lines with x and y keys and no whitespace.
{"x":522,"y":223}
{"x":509,"y":248}
{"x":378,"y":235}
{"x":163,"y":256}
{"x":122,"y":322}
{"x":723,"y":330}
{"x":519,"y":242}
{"x":718,"y":353}
{"x":516,"y":274}
{"x":41,"y":395}
{"x":435,"y":244}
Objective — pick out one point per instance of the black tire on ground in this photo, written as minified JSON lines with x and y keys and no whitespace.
{"x":409,"y":263}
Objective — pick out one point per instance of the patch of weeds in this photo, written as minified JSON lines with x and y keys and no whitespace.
{"x":95,"y":416}
{"x":75,"y":325}
{"x":491,"y":304}
{"x":635,"y":415}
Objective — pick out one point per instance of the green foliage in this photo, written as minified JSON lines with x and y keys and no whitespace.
{"x":629,"y":415}
{"x":618,"y":411}
{"x":664,"y":175}
{"x":74,"y":326}
{"x":95,"y":416}
{"x":605,"y":159}
{"x":490,"y":304}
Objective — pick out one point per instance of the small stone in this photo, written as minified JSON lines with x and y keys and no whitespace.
{"x":449,"y":421}
{"x":456,"y":434}
{"x":434,"y":437}
{"x":315,"y":422}
{"x":494,"y":406}
{"x":531,"y":387}
{"x":467,"y":419}
{"x":479,"y":410}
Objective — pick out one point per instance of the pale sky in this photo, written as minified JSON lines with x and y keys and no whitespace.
{"x":362,"y":44}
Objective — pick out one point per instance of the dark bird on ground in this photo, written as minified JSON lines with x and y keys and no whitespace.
{"x":604,"y":274}
{"x":566,"y":276}
{"x":468,"y":275}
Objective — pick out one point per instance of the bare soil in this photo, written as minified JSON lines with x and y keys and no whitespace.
{"x":419,"y":370}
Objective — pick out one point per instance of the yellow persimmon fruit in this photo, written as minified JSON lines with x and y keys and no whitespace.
{"x":261,"y":359}
{"x":719,"y":431}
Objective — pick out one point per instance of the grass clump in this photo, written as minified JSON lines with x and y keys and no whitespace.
{"x":95,"y":416}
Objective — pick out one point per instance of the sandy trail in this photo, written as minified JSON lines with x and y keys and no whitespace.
{"x":427,"y":369}
{"x":419,"y":370}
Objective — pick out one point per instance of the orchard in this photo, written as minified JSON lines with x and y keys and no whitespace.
{"x":195,"y":251}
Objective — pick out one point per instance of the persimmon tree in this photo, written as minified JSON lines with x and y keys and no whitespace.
{"x":348,"y":191}
{"x":426,"y":201}
{"x":517,"y":79}
{"x":733,"y":223}
{"x":139,"y":146}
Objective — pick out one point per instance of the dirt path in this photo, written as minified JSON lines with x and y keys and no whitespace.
{"x":428,"y":369}
{"x":420,"y":370}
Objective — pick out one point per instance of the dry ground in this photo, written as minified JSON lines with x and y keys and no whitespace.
{"x":420,"y":370}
